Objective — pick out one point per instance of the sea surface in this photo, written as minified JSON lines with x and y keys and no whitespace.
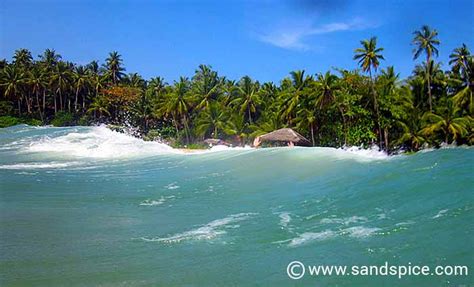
{"x":86,"y":206}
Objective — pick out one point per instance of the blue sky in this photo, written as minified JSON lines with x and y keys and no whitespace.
{"x":263,"y":39}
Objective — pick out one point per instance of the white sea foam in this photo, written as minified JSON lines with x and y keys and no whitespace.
{"x":365,"y":154}
{"x":98,"y":142}
{"x":360,"y":231}
{"x":285,"y":219}
{"x":308,"y":237}
{"x":49,"y":165}
{"x":440,"y":213}
{"x":205,"y":232}
{"x":345,"y":221}
{"x":160,"y":201}
{"x":172,"y":186}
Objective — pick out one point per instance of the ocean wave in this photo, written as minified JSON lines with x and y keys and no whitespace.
{"x":152,"y":202}
{"x":344,"y":221}
{"x":285,"y":219}
{"x":206,"y":232}
{"x":308,"y":237}
{"x":38,"y":165}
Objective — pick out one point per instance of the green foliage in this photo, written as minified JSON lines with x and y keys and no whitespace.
{"x":63,"y":119}
{"x":8,"y":121}
{"x":360,"y":107}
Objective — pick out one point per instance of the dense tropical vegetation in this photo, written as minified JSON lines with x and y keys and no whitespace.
{"x":336,"y":108}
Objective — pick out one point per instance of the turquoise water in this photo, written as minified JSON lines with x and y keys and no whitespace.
{"x":85,"y":206}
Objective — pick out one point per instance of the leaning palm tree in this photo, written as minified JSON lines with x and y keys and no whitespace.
{"x":447,"y":123}
{"x":369,"y":56}
{"x":426,"y":41}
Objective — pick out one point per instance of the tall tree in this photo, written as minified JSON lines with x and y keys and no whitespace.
{"x":369,"y":56}
{"x":114,"y":67}
{"x":426,"y":42}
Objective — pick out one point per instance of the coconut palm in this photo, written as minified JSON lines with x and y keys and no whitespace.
{"x":426,"y":41}
{"x":447,"y":123}
{"x":459,"y":59}
{"x":61,"y":80}
{"x":178,"y":104}
{"x":248,"y":98}
{"x":212,"y":121}
{"x":114,"y":67}
{"x":38,"y":81}
{"x":13,"y":81}
{"x":207,"y":86}
{"x":369,"y":56}
{"x":22,"y":58}
{"x":99,"y":106}
{"x":81,"y":80}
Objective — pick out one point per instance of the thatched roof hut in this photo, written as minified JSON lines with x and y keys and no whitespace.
{"x":283,"y":135}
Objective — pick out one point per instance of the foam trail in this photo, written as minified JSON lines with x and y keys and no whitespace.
{"x":205,"y":232}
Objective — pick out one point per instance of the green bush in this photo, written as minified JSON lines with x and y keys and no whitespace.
{"x":63,"y":119}
{"x":84,"y":121}
{"x":7,"y":121}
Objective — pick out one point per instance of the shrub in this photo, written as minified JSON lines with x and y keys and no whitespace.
{"x":63,"y":119}
{"x":7,"y":121}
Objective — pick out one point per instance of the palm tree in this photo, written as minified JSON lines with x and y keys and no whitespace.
{"x":61,"y":80}
{"x":206,"y":86}
{"x":13,"y":81}
{"x":178,"y":104}
{"x":212,"y":120}
{"x":447,"y":123}
{"x":38,"y":80}
{"x":293,"y":92}
{"x":426,"y":41}
{"x":99,"y":105}
{"x":248,"y":97}
{"x":50,"y":58}
{"x":369,"y":56}
{"x":81,"y":84}
{"x":114,"y":68}
{"x":459,"y":59}
{"x":22,"y":58}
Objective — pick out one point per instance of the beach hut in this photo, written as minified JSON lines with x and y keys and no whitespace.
{"x":285,"y":135}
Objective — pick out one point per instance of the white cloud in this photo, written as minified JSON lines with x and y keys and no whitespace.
{"x":292,"y":37}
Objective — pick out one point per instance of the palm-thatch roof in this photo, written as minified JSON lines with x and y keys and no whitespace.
{"x":285,"y":135}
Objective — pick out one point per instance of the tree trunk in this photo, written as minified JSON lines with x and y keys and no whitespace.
{"x":312,"y":133}
{"x":60,"y":100}
{"x":75,"y":100}
{"x":19,"y":107}
{"x":385,"y":133}
{"x":44,"y":100}
{"x":39,"y":106}
{"x":376,"y":107}
{"x":55,"y":105}
{"x":429,"y":81}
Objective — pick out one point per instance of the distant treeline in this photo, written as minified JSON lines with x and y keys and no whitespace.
{"x":341,"y":107}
